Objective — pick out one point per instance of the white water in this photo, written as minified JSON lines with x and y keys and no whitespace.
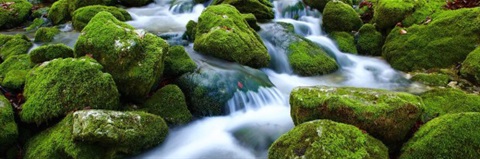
{"x":248,"y":132}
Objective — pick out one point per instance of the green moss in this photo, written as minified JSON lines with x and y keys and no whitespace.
{"x":432,"y":79}
{"x":338,"y":16}
{"x":62,"y":85}
{"x":308,"y":61}
{"x":37,"y":23}
{"x":50,"y":52}
{"x":16,"y":62}
{"x":15,"y":79}
{"x":345,"y":41}
{"x":424,"y":12}
{"x":439,"y":102}
{"x":14,"y":45}
{"x":59,"y":12}
{"x":222,"y":32}
{"x":178,"y":62}
{"x":41,"y":12}
{"x":73,"y":5}
{"x":386,"y":115}
{"x":387,"y":13}
{"x":8,"y":129}
{"x":252,"y":21}
{"x":445,"y":41}
{"x":45,"y":34}
{"x":448,"y":136}
{"x":471,"y":66}
{"x":169,"y":103}
{"x":13,"y":12}
{"x":369,"y":41}
{"x":320,"y":4}
{"x":327,"y":139}
{"x":134,"y":58}
{"x":262,"y":9}
{"x":191,"y":30}
{"x":135,"y":3}
{"x":82,"y":16}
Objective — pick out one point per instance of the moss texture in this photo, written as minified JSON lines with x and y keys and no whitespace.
{"x":445,"y":41}
{"x":471,"y":66}
{"x":15,"y":79}
{"x":13,"y":45}
{"x":82,"y":16}
{"x":369,"y":41}
{"x":178,"y":62}
{"x":338,"y":16}
{"x":134,"y":3}
{"x":386,"y":115}
{"x":16,"y":62}
{"x":223,"y":33}
{"x":169,"y":102}
{"x":8,"y":129}
{"x":60,"y":86}
{"x":262,"y":9}
{"x":59,"y":12}
{"x":327,"y":139}
{"x":46,"y":34}
{"x":252,"y":21}
{"x":439,"y":102}
{"x":320,"y":4}
{"x":73,"y":5}
{"x":50,"y":52}
{"x":387,"y":13}
{"x":37,"y":23}
{"x":345,"y":41}
{"x":423,"y":13}
{"x":13,"y":12}
{"x":133,"y":57}
{"x":448,"y":136}
{"x":191,"y":30}
{"x":431,"y":79}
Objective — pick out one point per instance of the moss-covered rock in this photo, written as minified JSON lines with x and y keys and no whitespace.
{"x":8,"y":129}
{"x":439,"y":102}
{"x":252,"y":21}
{"x":16,"y":62}
{"x":305,"y":57}
{"x":320,"y":4}
{"x":59,"y":12}
{"x":13,"y":45}
{"x":50,"y":52}
{"x":262,"y":9}
{"x":73,"y":5}
{"x":223,"y":33}
{"x":40,"y":12}
{"x":15,"y":79}
{"x":82,"y":16}
{"x":445,"y":41}
{"x":191,"y":31}
{"x":208,"y":89}
{"x":448,"y":136}
{"x":386,"y":115}
{"x":327,"y":139}
{"x":178,"y":62}
{"x":13,"y":12}
{"x":60,"y":86}
{"x":46,"y":34}
{"x":345,"y":41}
{"x":37,"y":23}
{"x":424,"y":13}
{"x":338,"y":16}
{"x":471,"y":66}
{"x":431,"y":79}
{"x":134,"y":3}
{"x":134,"y":58}
{"x":369,"y":41}
{"x":169,"y":102}
{"x":387,"y":13}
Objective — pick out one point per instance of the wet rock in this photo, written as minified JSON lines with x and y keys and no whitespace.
{"x":46,"y":34}
{"x":13,"y":13}
{"x":50,"y":52}
{"x":471,"y":66}
{"x":387,"y":13}
{"x":178,"y":62}
{"x":338,"y":16}
{"x":326,"y":139}
{"x":369,"y":41}
{"x":169,"y":102}
{"x":60,"y":86}
{"x":262,"y":9}
{"x":82,"y":16}
{"x":9,"y":131}
{"x":440,"y":102}
{"x":431,"y":79}
{"x":59,"y":12}
{"x":344,"y":41}
{"x":191,"y":31}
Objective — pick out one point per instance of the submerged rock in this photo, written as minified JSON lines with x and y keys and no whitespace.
{"x":327,"y":139}
{"x":169,"y":102}
{"x":338,"y":16}
{"x":386,"y":115}
{"x":369,"y":41}
{"x":8,"y":130}
{"x":134,"y":58}
{"x":262,"y":9}
{"x":82,"y":16}
{"x":440,"y":102}
{"x":60,"y":86}
{"x":46,"y":34}
{"x":223,"y":33}
{"x":50,"y":52}
{"x":448,"y":136}
{"x":13,"y":12}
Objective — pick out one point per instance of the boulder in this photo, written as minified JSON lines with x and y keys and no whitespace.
{"x":134,"y":58}
{"x":320,"y":4}
{"x":50,"y":52}
{"x":387,"y":13}
{"x":46,"y":34}
{"x":338,"y":16}
{"x":223,"y":33}
{"x":448,"y":136}
{"x":344,"y":41}
{"x":59,"y":12}
{"x":169,"y":102}
{"x":178,"y":62}
{"x":60,"y":86}
{"x":13,"y":45}
{"x":431,"y":79}
{"x":191,"y":31}
{"x":369,"y":41}
{"x":13,"y":12}
{"x":424,"y":11}
{"x":262,"y":9}
{"x":8,"y":130}
{"x":471,"y":66}
{"x":386,"y":115}
{"x":15,"y":79}
{"x":73,"y":5}
{"x":82,"y":16}
{"x":14,"y":63}
{"x":439,"y":102}
{"x":326,"y":139}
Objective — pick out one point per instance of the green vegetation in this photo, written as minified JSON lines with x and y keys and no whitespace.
{"x":369,"y":41}
{"x":439,"y":102}
{"x":13,"y":45}
{"x":15,"y":79}
{"x":262,"y":9}
{"x":169,"y":103}
{"x":50,"y":52}
{"x":387,"y":13}
{"x":320,"y":4}
{"x":307,"y":59}
{"x":13,"y":63}
{"x":13,"y":12}
{"x":59,"y":12}
{"x":431,"y":79}
{"x":338,"y":16}
{"x":8,"y":129}
{"x":45,"y":34}
{"x":178,"y":62}
{"x":82,"y":16}
{"x":344,"y":41}
{"x":471,"y":66}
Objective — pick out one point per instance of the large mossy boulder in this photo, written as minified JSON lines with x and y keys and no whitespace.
{"x":327,"y":139}
{"x":471,"y":66}
{"x":178,"y":62}
{"x":439,"y":102}
{"x":14,"y":63}
{"x":305,"y":57}
{"x":169,"y":102}
{"x":98,"y":134}
{"x":82,"y":16}
{"x":13,"y":12}
{"x":134,"y":3}
{"x":46,"y":34}
{"x":387,"y":13}
{"x":262,"y":9}
{"x":338,"y":16}
{"x":445,"y":41}
{"x":223,"y":33}
{"x":8,"y":129}
{"x":344,"y":41}
{"x":60,"y":86}
{"x":134,"y":58}
{"x":11,"y":45}
{"x":50,"y":52}
{"x":320,"y":4}
{"x":369,"y":41}
{"x":208,"y":89}
{"x":386,"y":115}
{"x":448,"y":136}
{"x":59,"y":12}
{"x":15,"y":79}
